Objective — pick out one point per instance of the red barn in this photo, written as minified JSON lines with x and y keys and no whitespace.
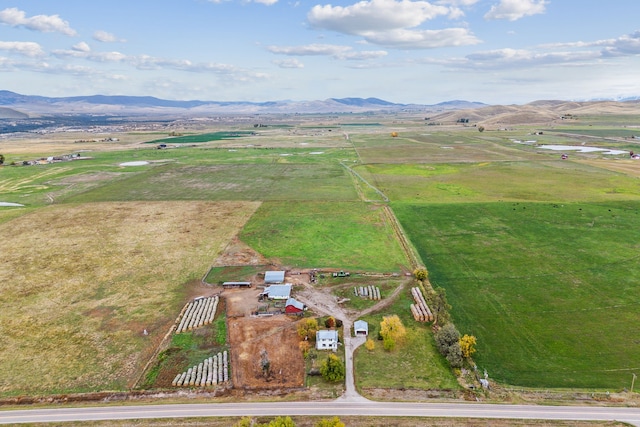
{"x":293,"y":307}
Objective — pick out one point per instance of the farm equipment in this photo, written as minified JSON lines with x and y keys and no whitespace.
{"x":341,"y":274}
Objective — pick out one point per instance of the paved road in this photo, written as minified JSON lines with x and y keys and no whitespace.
{"x":324,"y":408}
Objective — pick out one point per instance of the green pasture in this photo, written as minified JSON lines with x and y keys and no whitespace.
{"x":500,"y":181}
{"x":202,"y":137}
{"x":229,"y":182}
{"x":601,"y":132}
{"x":550,"y":289}
{"x":355,"y":302}
{"x":438,"y":146}
{"x":346,"y":235}
{"x":184,"y":173}
{"x":240,"y":273}
{"x":415,"y":363}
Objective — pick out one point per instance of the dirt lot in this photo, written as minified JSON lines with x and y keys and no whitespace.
{"x":276,"y":335}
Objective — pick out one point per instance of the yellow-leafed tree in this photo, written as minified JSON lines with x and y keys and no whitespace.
{"x":467,"y":345}
{"x":392,"y":331}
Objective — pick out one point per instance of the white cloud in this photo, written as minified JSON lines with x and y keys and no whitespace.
{"x":422,"y":39}
{"x":392,"y":23}
{"x":105,"y":37}
{"x":309,"y":50}
{"x":44,"y":23}
{"x":516,"y":9}
{"x":334,"y":51}
{"x":374,"y":15}
{"x":288,"y":63}
{"x":81,"y":47}
{"x":23,"y":48}
{"x":624,"y":46}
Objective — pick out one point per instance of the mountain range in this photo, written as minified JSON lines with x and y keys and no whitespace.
{"x":14,"y":105}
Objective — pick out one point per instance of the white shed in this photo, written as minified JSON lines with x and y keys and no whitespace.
{"x":360,"y":328}
{"x":273,"y":277}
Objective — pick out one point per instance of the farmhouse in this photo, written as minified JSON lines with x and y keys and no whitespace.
{"x":273,"y":277}
{"x":293,"y":306}
{"x":360,"y":328}
{"x":279,"y":292}
{"x":327,"y":340}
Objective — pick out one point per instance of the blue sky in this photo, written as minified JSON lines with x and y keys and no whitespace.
{"x":406,"y":51}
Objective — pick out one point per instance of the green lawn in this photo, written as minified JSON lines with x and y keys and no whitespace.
{"x":415,"y":363}
{"x":549,"y":289}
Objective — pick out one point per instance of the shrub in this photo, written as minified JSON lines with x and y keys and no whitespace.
{"x":370,"y":344}
{"x":332,"y":369}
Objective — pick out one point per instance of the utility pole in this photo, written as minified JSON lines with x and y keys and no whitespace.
{"x":633,"y":382}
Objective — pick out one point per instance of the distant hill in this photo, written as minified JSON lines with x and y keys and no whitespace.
{"x":10,"y":113}
{"x":148,"y":105}
{"x":537,"y":112}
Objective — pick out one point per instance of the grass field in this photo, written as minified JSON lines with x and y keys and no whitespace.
{"x":537,"y":254}
{"x":414,"y":364}
{"x":557,"y":181}
{"x":350,"y":236}
{"x":549,"y":289}
{"x":79,"y":283}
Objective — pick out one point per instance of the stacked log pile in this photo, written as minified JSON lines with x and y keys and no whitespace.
{"x":370,"y":292}
{"x":211,"y":371}
{"x":420,"y":309}
{"x":197,"y":313}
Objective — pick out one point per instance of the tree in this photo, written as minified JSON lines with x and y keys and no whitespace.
{"x":480,"y":128}
{"x":330,"y":422}
{"x":392,"y":331}
{"x":467,"y":345}
{"x":454,"y":355}
{"x":446,"y":336}
{"x":332,"y":369}
{"x":421,"y":274}
{"x":307,"y":328}
{"x":330,"y":322}
{"x":244,"y":422}
{"x":1,"y":159}
{"x":265,"y":363}
{"x":448,"y":343}
{"x":304,"y":347}
{"x":282,"y":422}
{"x":438,"y":301}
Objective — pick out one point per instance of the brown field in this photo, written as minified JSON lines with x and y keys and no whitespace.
{"x":80,"y":283}
{"x":248,"y":336}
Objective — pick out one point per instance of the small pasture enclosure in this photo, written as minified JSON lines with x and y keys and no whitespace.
{"x":212,"y":371}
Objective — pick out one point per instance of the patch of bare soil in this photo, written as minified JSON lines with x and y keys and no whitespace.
{"x":250,"y":337}
{"x":239,"y":253}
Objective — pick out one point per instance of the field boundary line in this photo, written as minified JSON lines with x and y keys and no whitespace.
{"x":358,"y":176}
{"x":407,"y":247}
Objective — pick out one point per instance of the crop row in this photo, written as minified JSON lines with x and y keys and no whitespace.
{"x":420,"y":309}
{"x":197,"y":313}
{"x":212,"y":371}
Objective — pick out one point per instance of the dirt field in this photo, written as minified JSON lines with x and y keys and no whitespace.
{"x":277,"y":336}
{"x":249,"y":336}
